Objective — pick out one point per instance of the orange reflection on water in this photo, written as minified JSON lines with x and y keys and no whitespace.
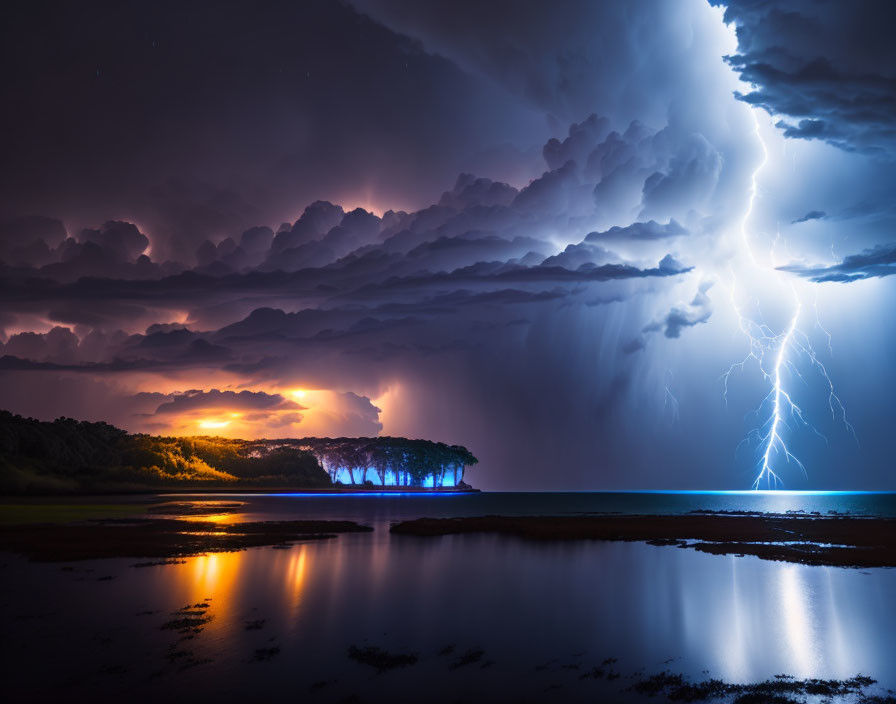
{"x":220,"y":512}
{"x":220,"y":518}
{"x":217,"y":576}
{"x":295,"y":576}
{"x":247,"y":584}
{"x":214,"y":575}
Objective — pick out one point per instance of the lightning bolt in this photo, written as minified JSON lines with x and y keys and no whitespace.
{"x":773,"y":440}
{"x":776,"y":355}
{"x":669,"y":400}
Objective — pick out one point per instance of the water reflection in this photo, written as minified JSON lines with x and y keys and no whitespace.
{"x":740,"y":618}
{"x":837,"y":644}
{"x":736,"y":662}
{"x":794,"y":603}
{"x":523,"y":604}
{"x":295,"y":577}
{"x":379,"y":510}
{"x":221,"y":518}
{"x":231,"y":580}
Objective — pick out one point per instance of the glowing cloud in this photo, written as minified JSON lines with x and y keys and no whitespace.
{"x":213,"y":424}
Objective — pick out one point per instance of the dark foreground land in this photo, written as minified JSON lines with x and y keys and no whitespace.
{"x":666,"y":686}
{"x":54,"y":532}
{"x":842,"y":541}
{"x":158,"y":538}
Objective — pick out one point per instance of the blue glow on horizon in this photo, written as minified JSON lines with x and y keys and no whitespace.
{"x":754,"y":492}
{"x":368,"y":493}
{"x":695,"y":492}
{"x":325,"y":493}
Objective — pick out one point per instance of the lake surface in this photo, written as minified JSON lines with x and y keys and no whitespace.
{"x":489,"y":618}
{"x":382,"y":509}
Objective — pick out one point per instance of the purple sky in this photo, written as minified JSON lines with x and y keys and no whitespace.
{"x":533,"y":231}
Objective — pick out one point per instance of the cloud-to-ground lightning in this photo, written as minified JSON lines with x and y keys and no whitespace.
{"x":776,"y":355}
{"x":773,"y":440}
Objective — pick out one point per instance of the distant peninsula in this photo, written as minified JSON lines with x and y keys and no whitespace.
{"x":67,"y":456}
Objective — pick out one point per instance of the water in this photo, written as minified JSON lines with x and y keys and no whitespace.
{"x":381,"y":509}
{"x":540,"y":614}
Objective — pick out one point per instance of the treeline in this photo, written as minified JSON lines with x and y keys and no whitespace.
{"x":386,"y":461}
{"x":390,"y":461}
{"x":67,"y":455}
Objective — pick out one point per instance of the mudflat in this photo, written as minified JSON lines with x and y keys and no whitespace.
{"x":843,"y":541}
{"x":158,"y":538}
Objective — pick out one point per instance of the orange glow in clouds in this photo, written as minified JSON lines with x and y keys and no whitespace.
{"x":210,"y":424}
{"x":288,"y":411}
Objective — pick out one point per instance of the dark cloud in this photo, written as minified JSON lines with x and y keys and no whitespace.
{"x":828,"y":67}
{"x":59,"y":344}
{"x":679,"y":317}
{"x":121,"y":240}
{"x":560,"y":61}
{"x":10,"y":363}
{"x":116,"y":249}
{"x":872,"y":263}
{"x":482,"y":233}
{"x":650,"y":230}
{"x":198,"y":400}
{"x":688,"y":181}
{"x":470,"y":191}
{"x":811,"y":215}
{"x":29,"y":240}
{"x":316,"y":220}
{"x":576,"y":256}
{"x":195,"y":122}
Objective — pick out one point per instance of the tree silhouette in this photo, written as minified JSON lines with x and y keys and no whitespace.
{"x":70,"y":455}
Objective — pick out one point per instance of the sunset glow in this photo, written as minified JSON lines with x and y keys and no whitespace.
{"x":211,"y":424}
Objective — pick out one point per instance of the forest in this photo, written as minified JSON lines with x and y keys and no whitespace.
{"x":67,"y":456}
{"x":389,"y":461}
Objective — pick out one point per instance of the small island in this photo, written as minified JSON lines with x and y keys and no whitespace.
{"x":67,"y":456}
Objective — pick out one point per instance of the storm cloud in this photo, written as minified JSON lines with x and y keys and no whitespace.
{"x":828,"y":68}
{"x":811,"y":215}
{"x":357,"y":309}
{"x":444,"y":220}
{"x":198,"y":400}
{"x":872,"y":263}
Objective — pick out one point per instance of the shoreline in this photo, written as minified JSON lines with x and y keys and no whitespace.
{"x":334,"y":491}
{"x":836,"y":541}
{"x":57,"y":531}
{"x":230,"y":489}
{"x":159,"y":538}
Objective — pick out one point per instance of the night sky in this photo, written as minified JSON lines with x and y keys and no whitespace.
{"x":603,"y":245}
